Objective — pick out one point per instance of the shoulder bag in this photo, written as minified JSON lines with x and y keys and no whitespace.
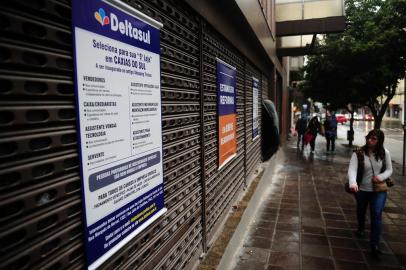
{"x":380,"y":186}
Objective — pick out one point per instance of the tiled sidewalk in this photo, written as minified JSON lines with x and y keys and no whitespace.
{"x":307,"y":221}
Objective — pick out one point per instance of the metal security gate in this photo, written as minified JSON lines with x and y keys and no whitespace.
{"x":40,"y":202}
{"x":223,"y":185}
{"x":253,"y":147}
{"x":171,"y":242}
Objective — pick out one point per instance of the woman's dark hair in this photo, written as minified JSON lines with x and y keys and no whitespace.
{"x":379,"y":151}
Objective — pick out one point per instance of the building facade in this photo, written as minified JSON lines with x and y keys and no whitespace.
{"x":41,"y":202}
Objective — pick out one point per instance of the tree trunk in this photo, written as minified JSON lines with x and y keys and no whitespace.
{"x":378,"y":110}
{"x":351,"y":137}
{"x":350,"y":133}
{"x":378,"y":122}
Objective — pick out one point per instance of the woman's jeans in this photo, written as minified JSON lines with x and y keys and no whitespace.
{"x":376,"y":201}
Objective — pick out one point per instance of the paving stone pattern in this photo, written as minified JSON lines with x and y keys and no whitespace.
{"x":307,"y":221}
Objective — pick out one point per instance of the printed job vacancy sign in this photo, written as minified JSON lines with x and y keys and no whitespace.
{"x":118,"y":94}
{"x":255,"y":114}
{"x":227,"y":118}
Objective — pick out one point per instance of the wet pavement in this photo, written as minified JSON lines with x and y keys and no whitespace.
{"x":307,"y":221}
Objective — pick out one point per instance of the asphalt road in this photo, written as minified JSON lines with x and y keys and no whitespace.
{"x":393,"y":136}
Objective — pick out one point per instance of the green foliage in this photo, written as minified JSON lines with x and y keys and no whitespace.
{"x":364,"y":62}
{"x":296,"y":75}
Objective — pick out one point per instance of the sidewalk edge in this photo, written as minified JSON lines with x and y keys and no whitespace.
{"x":229,"y":257}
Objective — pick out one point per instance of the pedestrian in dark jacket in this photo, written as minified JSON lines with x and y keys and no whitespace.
{"x":330,"y":132}
{"x":313,"y":128}
{"x":300,"y":129}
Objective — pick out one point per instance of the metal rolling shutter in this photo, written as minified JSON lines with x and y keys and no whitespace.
{"x":223,"y":185}
{"x":40,"y":205}
{"x":40,"y":199}
{"x":253,"y":147}
{"x":172,"y":241}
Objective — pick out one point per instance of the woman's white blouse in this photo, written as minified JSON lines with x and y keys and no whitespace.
{"x":366,"y":184}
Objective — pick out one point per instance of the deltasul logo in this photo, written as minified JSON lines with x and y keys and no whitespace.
{"x":101,"y":17}
{"x":124,"y":27}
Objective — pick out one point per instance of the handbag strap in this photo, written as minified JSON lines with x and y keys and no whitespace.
{"x":383,"y":165}
{"x":383,"y":168}
{"x":372,"y":167}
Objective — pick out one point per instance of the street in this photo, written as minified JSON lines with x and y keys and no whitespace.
{"x":393,"y":136}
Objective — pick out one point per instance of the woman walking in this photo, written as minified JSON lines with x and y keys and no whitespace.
{"x":300,"y":129}
{"x":330,"y":132}
{"x":369,"y":167}
{"x":313,"y":128}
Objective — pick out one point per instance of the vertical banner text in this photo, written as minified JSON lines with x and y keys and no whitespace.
{"x":255,"y":113}
{"x":226,"y":106}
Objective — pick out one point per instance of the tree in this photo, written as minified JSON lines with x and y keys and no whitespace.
{"x":326,"y":78}
{"x":363,"y":64}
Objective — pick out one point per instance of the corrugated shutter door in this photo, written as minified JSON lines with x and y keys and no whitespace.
{"x":223,"y":185}
{"x":40,"y":203}
{"x":253,"y":147}
{"x":172,"y":241}
{"x":40,"y":198}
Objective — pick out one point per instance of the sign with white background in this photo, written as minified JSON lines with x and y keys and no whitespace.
{"x":117,"y":68}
